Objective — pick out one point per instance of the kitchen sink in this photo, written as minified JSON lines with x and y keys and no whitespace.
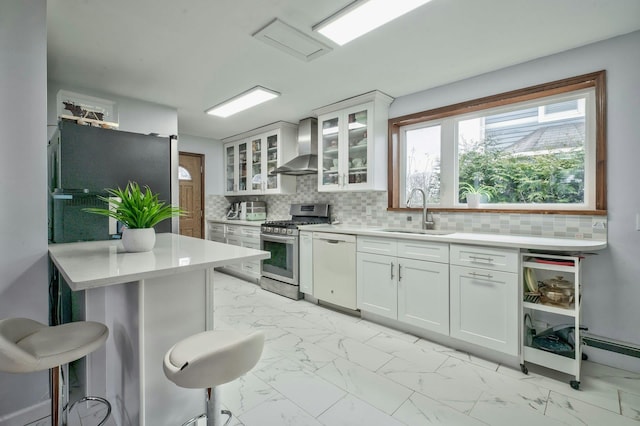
{"x":417,"y":231}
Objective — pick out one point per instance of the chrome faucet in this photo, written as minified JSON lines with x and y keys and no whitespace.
{"x":426,"y":223}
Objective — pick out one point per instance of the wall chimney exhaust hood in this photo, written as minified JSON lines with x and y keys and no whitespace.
{"x":307,"y":160}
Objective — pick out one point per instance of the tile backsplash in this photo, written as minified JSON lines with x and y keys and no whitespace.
{"x":370,"y":209}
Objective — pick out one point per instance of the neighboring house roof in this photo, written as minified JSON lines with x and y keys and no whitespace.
{"x":550,"y":138}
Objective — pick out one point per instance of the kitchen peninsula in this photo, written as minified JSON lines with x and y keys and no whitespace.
{"x":149,"y":301}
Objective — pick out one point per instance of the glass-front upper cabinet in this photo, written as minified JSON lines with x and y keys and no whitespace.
{"x":230,"y":168}
{"x":271,"y":162}
{"x":256,"y":164}
{"x":250,"y":162}
{"x":345,"y":155}
{"x":242,"y":166}
{"x":329,"y":173}
{"x":353,"y":144}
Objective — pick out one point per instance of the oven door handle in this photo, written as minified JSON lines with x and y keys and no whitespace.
{"x":276,"y":238}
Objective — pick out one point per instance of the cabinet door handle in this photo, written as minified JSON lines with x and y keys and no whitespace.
{"x":399,"y":272}
{"x":481,"y":258}
{"x":476,"y":275}
{"x":391,"y":270}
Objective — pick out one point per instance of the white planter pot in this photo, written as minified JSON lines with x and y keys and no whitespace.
{"x":473,"y":201}
{"x":138,"y":240}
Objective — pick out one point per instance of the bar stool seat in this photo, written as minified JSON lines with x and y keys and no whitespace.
{"x":212,"y":358}
{"x":27,"y":346}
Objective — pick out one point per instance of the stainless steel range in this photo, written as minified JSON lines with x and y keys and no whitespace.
{"x":279,"y":274}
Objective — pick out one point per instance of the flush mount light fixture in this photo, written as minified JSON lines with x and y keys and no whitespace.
{"x":246,"y":100}
{"x":362,"y":16}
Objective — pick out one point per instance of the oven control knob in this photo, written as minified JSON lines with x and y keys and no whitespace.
{"x":283,"y":231}
{"x":267,"y":229}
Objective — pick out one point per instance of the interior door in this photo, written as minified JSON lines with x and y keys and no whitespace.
{"x":191,"y":186}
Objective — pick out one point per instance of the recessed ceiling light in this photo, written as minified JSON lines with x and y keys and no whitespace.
{"x":362,"y":16}
{"x":246,"y":100}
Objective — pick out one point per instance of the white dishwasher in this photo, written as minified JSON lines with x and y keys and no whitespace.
{"x":334,"y":268}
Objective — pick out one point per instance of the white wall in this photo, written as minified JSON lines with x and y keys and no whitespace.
{"x":212,"y":150}
{"x":23,"y":208}
{"x":611,"y":279}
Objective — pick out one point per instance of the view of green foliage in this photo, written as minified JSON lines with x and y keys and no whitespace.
{"x":551,"y":177}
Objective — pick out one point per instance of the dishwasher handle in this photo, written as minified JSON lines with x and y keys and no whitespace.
{"x":334,"y":238}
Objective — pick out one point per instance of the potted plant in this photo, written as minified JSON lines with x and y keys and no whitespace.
{"x":138,"y":211}
{"x":474,"y":194}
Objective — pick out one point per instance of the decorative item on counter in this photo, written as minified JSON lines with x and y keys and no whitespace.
{"x":138,"y":211}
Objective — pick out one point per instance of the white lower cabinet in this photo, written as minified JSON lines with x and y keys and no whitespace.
{"x":377,"y":285}
{"x":306,"y":262}
{"x":484,"y":298}
{"x":400,"y":285}
{"x":423,"y":294}
{"x":241,"y":236}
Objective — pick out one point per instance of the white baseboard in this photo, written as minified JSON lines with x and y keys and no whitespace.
{"x":39,"y":414}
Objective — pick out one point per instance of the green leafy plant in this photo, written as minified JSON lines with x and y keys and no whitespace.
{"x":135,"y":208}
{"x":482,"y":190}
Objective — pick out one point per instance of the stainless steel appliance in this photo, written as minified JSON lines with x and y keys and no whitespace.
{"x":279,"y":274}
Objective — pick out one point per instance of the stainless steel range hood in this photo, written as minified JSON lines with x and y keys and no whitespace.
{"x":307,"y":160}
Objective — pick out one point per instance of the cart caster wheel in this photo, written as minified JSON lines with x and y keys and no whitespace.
{"x":524,"y":369}
{"x":575,"y":384}
{"x":584,"y":357}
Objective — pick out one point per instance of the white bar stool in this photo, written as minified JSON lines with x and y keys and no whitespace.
{"x":27,"y":346}
{"x":209,"y":359}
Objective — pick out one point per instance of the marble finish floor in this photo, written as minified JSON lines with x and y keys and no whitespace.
{"x":322,"y":367}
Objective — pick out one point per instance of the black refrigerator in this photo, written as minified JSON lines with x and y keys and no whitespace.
{"x":83,"y":161}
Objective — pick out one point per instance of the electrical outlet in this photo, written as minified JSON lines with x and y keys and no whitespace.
{"x":409,"y":218}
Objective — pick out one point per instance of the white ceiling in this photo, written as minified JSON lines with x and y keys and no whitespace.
{"x":193,"y":54}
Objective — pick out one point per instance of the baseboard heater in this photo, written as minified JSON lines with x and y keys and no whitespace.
{"x":611,"y":345}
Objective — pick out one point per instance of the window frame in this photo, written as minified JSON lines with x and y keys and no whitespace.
{"x":594,"y":80}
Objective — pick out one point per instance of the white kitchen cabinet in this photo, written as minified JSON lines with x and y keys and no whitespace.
{"x":538,"y":268}
{"x":251,"y":157}
{"x":405,"y":280}
{"x":484,"y":298}
{"x":306,"y":262}
{"x":352,"y":151}
{"x":216,"y":232}
{"x":377,"y":285}
{"x":241,"y":236}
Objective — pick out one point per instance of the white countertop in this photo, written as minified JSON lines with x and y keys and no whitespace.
{"x":93,"y":264}
{"x":237,"y":222}
{"x":495,"y":240}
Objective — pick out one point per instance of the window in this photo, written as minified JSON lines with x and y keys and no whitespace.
{"x":539,"y":149}
{"x":183,"y":174}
